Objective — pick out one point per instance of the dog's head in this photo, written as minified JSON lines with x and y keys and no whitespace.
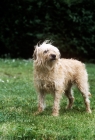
{"x":46,"y":53}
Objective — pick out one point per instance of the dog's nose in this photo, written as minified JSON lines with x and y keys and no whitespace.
{"x":53,"y":56}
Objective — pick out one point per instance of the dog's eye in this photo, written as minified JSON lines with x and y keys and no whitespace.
{"x":45,"y":51}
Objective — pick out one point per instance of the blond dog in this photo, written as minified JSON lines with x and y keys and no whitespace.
{"x":56,"y":76}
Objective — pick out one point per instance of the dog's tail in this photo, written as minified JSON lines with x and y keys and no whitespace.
{"x":89,"y":94}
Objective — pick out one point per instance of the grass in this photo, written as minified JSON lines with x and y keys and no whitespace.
{"x":18,"y":103}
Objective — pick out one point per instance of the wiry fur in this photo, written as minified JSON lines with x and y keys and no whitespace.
{"x":56,"y":76}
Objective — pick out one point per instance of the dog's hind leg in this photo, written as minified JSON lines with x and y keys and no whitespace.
{"x":69,"y":95}
{"x":41,"y":104}
{"x":84,"y":89}
{"x":86,"y":95}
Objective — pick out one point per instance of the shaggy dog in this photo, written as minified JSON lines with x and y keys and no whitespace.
{"x":56,"y":76}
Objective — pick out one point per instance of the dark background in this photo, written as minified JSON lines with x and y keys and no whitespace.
{"x":69,"y":23}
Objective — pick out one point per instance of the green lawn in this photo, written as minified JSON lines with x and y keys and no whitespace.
{"x":18,"y":103}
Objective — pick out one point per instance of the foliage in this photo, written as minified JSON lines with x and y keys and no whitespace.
{"x":70,"y":23}
{"x":18,"y":103}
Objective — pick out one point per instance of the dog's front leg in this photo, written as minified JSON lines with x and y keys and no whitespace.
{"x":41,"y":105}
{"x":56,"y":106}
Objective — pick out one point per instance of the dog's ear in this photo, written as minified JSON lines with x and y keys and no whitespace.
{"x":35,"y":53}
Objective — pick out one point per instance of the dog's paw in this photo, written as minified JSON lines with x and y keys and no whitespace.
{"x":36,"y":113}
{"x":55,"y":114}
{"x":68,"y":107}
{"x":89,"y":111}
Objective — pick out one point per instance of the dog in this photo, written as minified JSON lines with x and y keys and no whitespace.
{"x":56,"y":75}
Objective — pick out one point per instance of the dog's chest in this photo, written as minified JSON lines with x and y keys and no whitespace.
{"x":46,"y":84}
{"x":49,"y":81}
{"x":44,"y":81}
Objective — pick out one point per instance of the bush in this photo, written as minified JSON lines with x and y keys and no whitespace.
{"x":69,"y":23}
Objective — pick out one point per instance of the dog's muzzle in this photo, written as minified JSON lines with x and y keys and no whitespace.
{"x":52,"y":57}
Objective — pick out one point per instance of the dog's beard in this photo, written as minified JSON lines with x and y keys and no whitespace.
{"x":50,"y":63}
{"x":52,"y":59}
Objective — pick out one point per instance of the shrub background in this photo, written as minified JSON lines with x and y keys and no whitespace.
{"x":69,"y":23}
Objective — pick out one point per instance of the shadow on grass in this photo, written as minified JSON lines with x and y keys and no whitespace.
{"x":63,"y":111}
